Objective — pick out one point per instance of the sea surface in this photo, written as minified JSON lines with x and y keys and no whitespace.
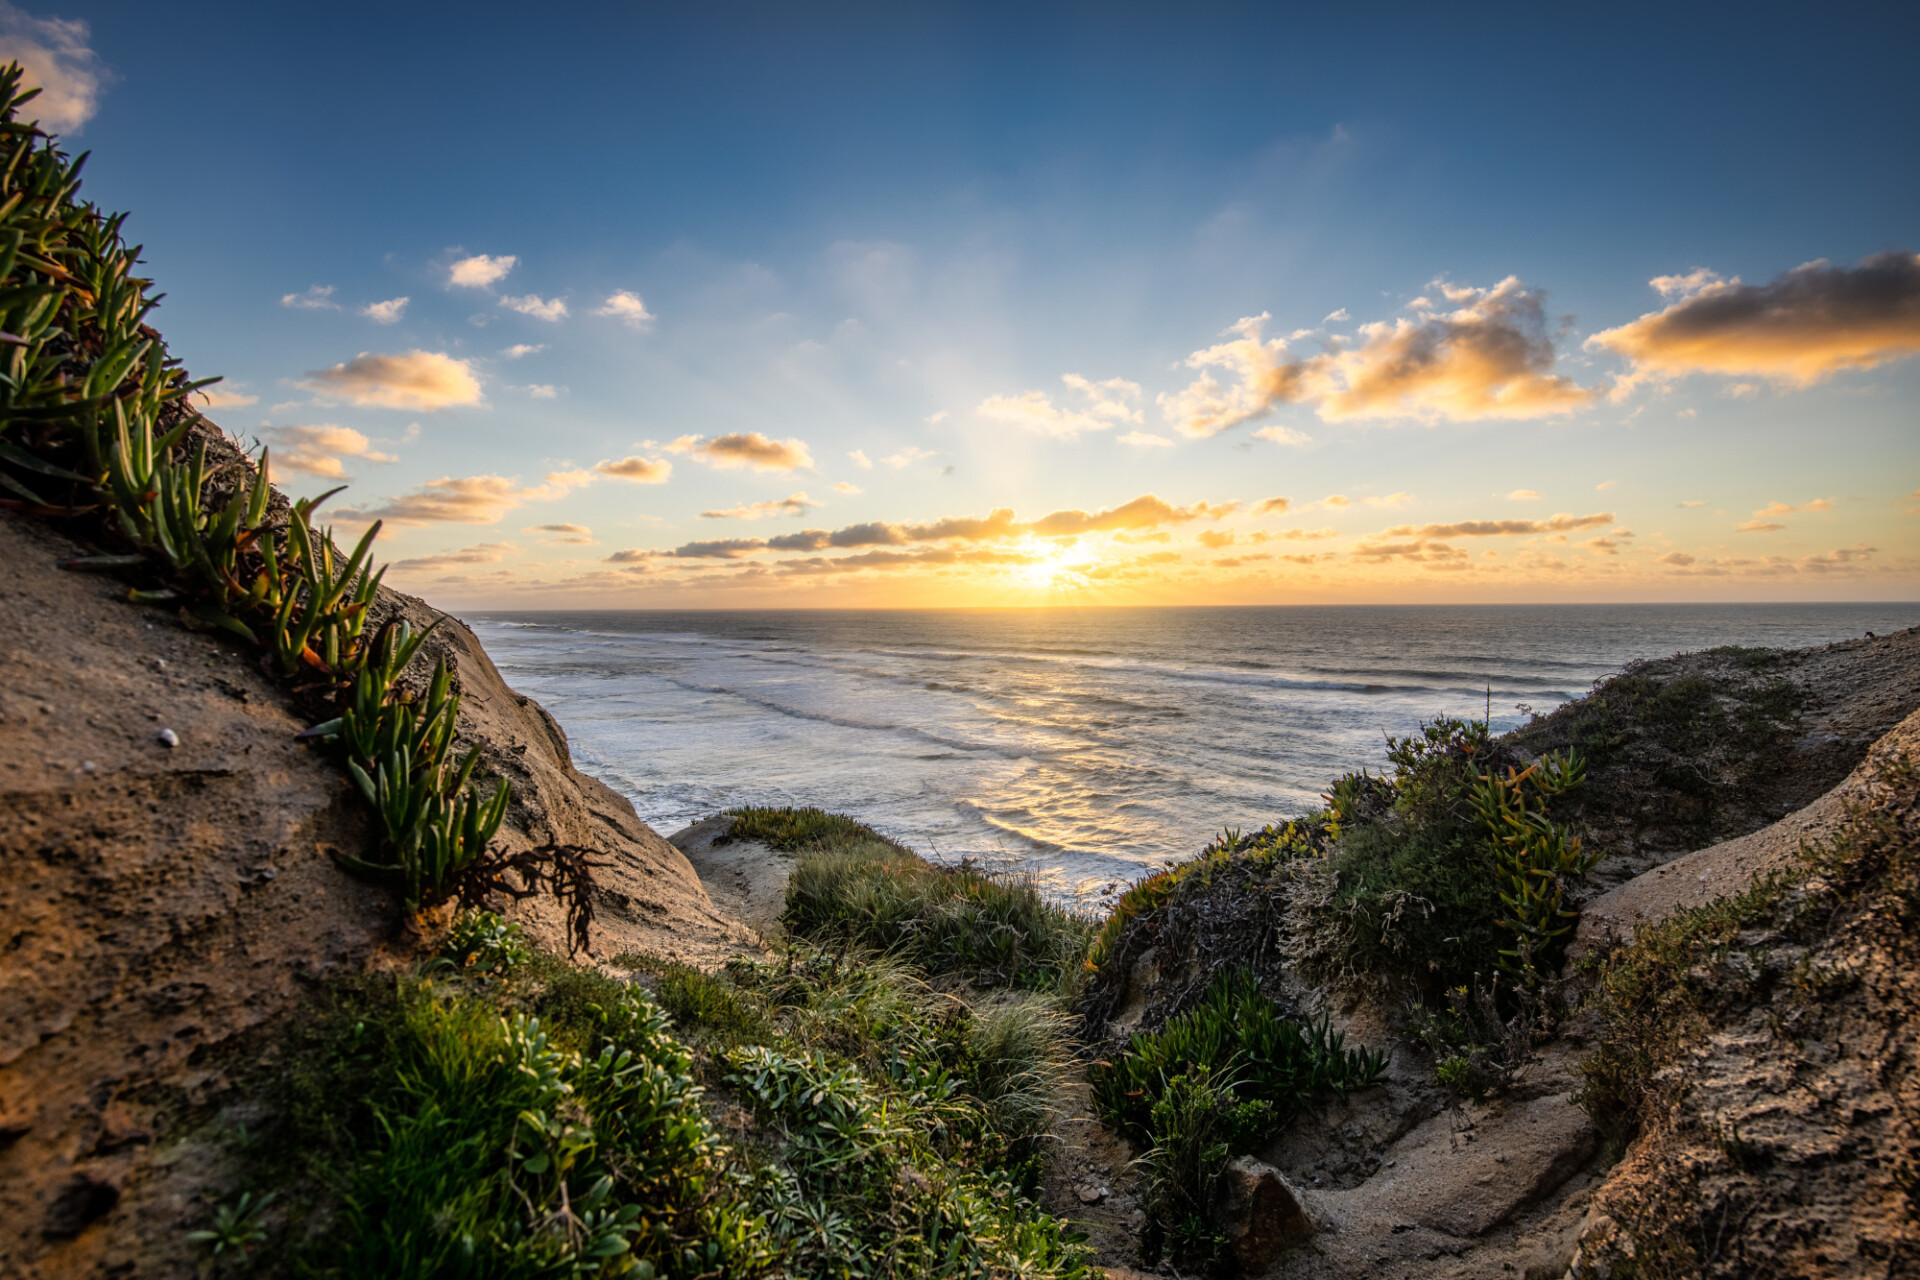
{"x":1084,"y":746}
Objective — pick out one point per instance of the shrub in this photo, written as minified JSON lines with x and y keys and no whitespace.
{"x":1217,"y":1082}
{"x":851,"y":887}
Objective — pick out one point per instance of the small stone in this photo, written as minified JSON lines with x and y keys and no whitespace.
{"x":168,"y":738}
{"x":1088,"y":1193}
{"x":1258,"y":1213}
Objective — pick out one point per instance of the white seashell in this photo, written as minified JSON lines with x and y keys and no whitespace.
{"x":168,"y":738}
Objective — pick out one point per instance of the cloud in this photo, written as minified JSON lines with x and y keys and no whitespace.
{"x":745,"y":449}
{"x":1295,"y":535}
{"x":1490,"y":356}
{"x":1145,"y":440}
{"x":55,"y":57}
{"x":631,"y":555}
{"x":480,"y":270}
{"x":1758,"y":526}
{"x":1764,"y":519}
{"x":318,"y":449}
{"x":1694,"y":502}
{"x":860,"y":459}
{"x":423,"y":380}
{"x":1283,"y":435}
{"x":937,"y":417}
{"x":1418,"y":552}
{"x":718,"y":549}
{"x":1679,"y":559}
{"x":565,"y":534}
{"x":229,"y":397}
{"x":542,"y":391}
{"x":626,"y":306}
{"x":794,"y":504}
{"x":1336,"y":500}
{"x":520,"y":349}
{"x":1145,"y":512}
{"x":843,"y":486}
{"x":637,"y":469}
{"x":318,"y":298}
{"x":549,"y":309}
{"x":1215,"y":538}
{"x":1270,"y":506}
{"x":1107,"y":403}
{"x":467,"y":499}
{"x":1810,"y":323}
{"x":1604,"y":485}
{"x":1524,"y":495}
{"x":1500,"y":528}
{"x":480,"y":553}
{"x":385,"y":312}
{"x":908,"y":456}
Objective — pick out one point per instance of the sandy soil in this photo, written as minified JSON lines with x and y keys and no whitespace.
{"x":745,"y":879}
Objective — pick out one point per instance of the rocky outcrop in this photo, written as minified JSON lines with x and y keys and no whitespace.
{"x":1259,"y":1214}
{"x":169,"y":898}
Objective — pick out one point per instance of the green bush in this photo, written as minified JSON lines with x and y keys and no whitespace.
{"x":1218,"y":1081}
{"x":851,"y":887}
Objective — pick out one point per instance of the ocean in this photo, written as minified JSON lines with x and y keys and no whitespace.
{"x":1086,"y":747}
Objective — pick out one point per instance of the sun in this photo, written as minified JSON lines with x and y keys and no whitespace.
{"x":1054,"y":567}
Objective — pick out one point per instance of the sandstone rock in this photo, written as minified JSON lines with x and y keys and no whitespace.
{"x":1259,"y":1213}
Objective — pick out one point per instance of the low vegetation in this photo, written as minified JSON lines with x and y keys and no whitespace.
{"x":851,"y":887}
{"x":97,"y":428}
{"x":1219,"y":1081}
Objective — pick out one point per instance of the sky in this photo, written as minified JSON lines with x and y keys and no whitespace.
{"x":752,"y":306}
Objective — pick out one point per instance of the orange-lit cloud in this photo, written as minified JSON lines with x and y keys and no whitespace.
{"x":1488,"y":354}
{"x":1270,"y":506}
{"x":480,"y":270}
{"x":481,"y":553}
{"x":637,"y":469}
{"x":1765,"y":520}
{"x":549,"y":309}
{"x":795,"y":504}
{"x":388,"y":312}
{"x":564,"y":534}
{"x":1105,"y":405}
{"x":320,"y":449}
{"x":1215,"y":538}
{"x":626,"y":307}
{"x":55,"y":58}
{"x":1808,"y":324}
{"x":1500,"y":528}
{"x":466,"y":499}
{"x":745,"y":449}
{"x":425,"y":381}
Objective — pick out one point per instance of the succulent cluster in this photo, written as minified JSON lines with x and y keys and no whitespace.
{"x":96,"y":423}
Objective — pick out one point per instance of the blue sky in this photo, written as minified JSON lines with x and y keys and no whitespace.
{"x":898,"y":231}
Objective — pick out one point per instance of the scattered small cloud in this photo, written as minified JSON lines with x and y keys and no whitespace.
{"x":229,"y":396}
{"x":1605,"y":485}
{"x":1679,"y":559}
{"x":794,"y":504}
{"x":937,"y":417}
{"x":542,"y":391}
{"x":318,"y":298}
{"x":426,"y":381}
{"x":387,"y":312}
{"x":578,"y":535}
{"x":1336,"y":500}
{"x":466,"y":499}
{"x":548,"y":309}
{"x":844,"y":486}
{"x":56,"y":58}
{"x":320,"y":449}
{"x":1145,"y":440}
{"x":1283,"y":435}
{"x":1805,"y":326}
{"x":718,"y":549}
{"x":1524,"y":495}
{"x":1501,"y":528}
{"x":1214,"y":538}
{"x":1758,"y":526}
{"x":520,"y":350}
{"x":480,"y":553}
{"x":1270,"y":506}
{"x":626,"y":307}
{"x":1693,"y":502}
{"x":480,"y":271}
{"x":745,"y":449}
{"x":908,"y":456}
{"x":860,"y":459}
{"x":637,"y":469}
{"x":1105,"y":404}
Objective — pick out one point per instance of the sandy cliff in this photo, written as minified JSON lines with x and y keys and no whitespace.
{"x":167,"y":907}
